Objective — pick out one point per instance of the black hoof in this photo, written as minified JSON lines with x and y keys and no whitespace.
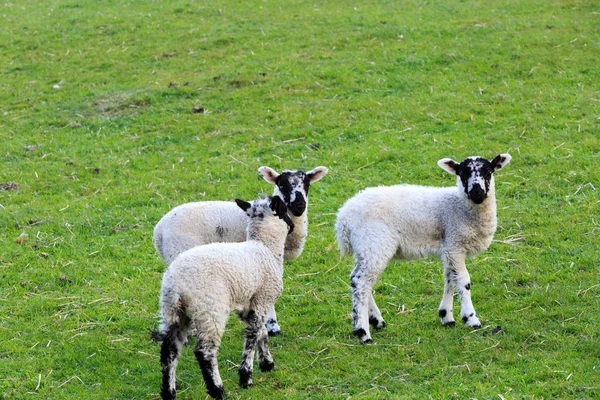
{"x":267,"y":366}
{"x":449,"y":323}
{"x":217,"y":392}
{"x":274,"y":333}
{"x":169,"y":394}
{"x":361,"y":334}
{"x":245,"y":377}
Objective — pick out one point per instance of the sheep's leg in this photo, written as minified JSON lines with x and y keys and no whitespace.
{"x":169,"y":354}
{"x":254,"y":324}
{"x":457,"y":277}
{"x":463,"y":287}
{"x":375,"y":318}
{"x":361,"y":292}
{"x":265,"y":360}
{"x":362,"y":279}
{"x":445,"y":309}
{"x":206,"y":354}
{"x":272,"y":325}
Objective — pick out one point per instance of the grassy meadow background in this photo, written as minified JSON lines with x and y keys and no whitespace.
{"x":112,"y":113}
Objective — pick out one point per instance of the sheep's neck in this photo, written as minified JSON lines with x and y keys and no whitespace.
{"x":273,"y":239}
{"x":485,"y":213}
{"x":294,"y":243}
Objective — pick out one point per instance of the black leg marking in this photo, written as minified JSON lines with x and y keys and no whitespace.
{"x":466,"y":317}
{"x":442,"y":313}
{"x":375,"y":323}
{"x":251,"y":335}
{"x":468,"y":286}
{"x":168,"y":354}
{"x":205,"y":360}
{"x":361,"y":334}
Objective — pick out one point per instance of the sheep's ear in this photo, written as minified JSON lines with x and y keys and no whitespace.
{"x":278,"y":206}
{"x":449,"y":165}
{"x":268,"y":174}
{"x":244,"y":205}
{"x":500,"y":161}
{"x":316,"y":174}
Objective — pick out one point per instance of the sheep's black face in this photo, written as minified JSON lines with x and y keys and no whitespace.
{"x":292,"y":187}
{"x":475,"y":173}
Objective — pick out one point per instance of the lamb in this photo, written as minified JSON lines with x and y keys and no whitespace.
{"x":410,"y":221}
{"x":202,"y":286}
{"x":199,"y":223}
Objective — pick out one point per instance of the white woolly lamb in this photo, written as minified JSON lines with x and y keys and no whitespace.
{"x":409,"y":221}
{"x":194,"y":224}
{"x":202,"y":286}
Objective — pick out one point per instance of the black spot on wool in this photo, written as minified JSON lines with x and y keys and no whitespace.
{"x":220,"y":231}
{"x":442,"y":313}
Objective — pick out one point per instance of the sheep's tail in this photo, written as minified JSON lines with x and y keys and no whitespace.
{"x":158,"y":240}
{"x":157,"y":336}
{"x":343,"y":237}
{"x":172,"y":309}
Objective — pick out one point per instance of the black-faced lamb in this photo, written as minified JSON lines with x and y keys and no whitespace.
{"x":202,"y":286}
{"x":198,"y":223}
{"x":410,"y":221}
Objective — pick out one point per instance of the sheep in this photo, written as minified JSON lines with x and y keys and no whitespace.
{"x":194,"y":224}
{"x":202,"y":286}
{"x":410,"y":221}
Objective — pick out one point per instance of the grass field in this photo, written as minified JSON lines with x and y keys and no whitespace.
{"x":100,"y":139}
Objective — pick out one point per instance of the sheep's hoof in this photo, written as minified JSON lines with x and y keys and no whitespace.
{"x":448,"y":323}
{"x":245,"y":384}
{"x":217,"y":392}
{"x":245,"y":377}
{"x":273,"y":328}
{"x":377,"y":323}
{"x":267,"y":366}
{"x":362,"y":335}
{"x":471,"y":321}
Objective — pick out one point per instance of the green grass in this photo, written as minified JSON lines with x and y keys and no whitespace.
{"x":377,"y":92}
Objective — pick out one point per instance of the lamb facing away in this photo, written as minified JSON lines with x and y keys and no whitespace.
{"x":199,"y":223}
{"x":202,"y":286}
{"x":409,"y":221}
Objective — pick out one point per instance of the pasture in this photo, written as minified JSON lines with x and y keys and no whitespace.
{"x":112,"y":113}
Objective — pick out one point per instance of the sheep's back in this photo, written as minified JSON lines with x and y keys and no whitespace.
{"x":407,"y":216}
{"x":199,"y":223}
{"x":230,"y":273}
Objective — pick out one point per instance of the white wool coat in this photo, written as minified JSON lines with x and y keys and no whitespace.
{"x":414,"y":221}
{"x":199,"y":223}
{"x":212,"y":280}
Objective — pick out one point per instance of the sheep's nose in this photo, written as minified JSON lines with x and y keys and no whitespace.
{"x":298,"y":206}
{"x":477,"y":194}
